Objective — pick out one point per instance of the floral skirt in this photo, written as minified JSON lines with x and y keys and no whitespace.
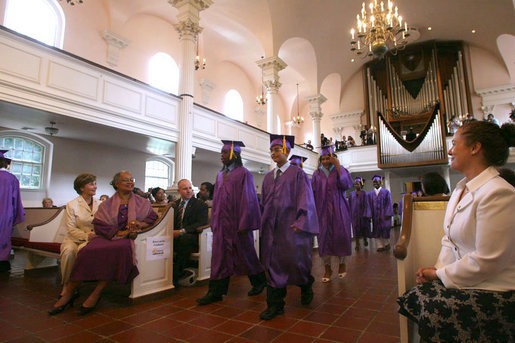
{"x":460,"y":315}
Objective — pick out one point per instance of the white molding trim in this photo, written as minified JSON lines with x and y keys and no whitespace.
{"x":497,"y":95}
{"x":115,"y":43}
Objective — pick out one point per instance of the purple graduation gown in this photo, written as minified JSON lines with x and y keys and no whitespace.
{"x":361,"y":213}
{"x":11,"y":211}
{"x":106,"y":257}
{"x":287,"y":202}
{"x":333,"y":212}
{"x":381,"y":207}
{"x":235,"y":215}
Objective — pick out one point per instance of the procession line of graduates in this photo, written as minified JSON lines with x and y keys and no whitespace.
{"x":294,"y":211}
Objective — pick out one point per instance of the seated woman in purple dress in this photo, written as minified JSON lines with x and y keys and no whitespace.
{"x":110,"y":255}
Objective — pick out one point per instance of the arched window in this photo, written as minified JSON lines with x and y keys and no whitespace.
{"x":31,"y":158}
{"x":158,"y":173}
{"x":163,"y":73}
{"x":40,"y":19}
{"x":233,"y":105}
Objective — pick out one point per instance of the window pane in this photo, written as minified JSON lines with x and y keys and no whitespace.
{"x":163,"y":73}
{"x":18,"y":143}
{"x":38,"y":148}
{"x":16,"y":168}
{"x":36,"y":170}
{"x":27,"y":156}
{"x":233,"y":105}
{"x":8,"y":143}
{"x":18,"y":155}
{"x":34,"y":18}
{"x":27,"y":169}
{"x":35,"y":181}
{"x":25,"y":181}
{"x":36,"y":157}
{"x":27,"y":146}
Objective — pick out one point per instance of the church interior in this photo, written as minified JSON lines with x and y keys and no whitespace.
{"x":153,"y":86}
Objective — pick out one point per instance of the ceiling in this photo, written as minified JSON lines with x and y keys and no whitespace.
{"x":312,"y":37}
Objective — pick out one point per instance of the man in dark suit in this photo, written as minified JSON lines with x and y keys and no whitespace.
{"x":190,"y":213}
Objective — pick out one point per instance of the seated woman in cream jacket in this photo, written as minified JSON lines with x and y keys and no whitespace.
{"x":79,"y":214}
{"x":467,"y":294}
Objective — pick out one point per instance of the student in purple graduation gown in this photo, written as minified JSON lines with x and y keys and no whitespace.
{"x":110,"y":255}
{"x":11,"y":209}
{"x":330,"y":181}
{"x":235,"y":216}
{"x":361,"y":212}
{"x":288,"y":225}
{"x":382,"y":212}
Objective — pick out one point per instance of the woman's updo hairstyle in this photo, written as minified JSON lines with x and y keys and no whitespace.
{"x":495,"y":141}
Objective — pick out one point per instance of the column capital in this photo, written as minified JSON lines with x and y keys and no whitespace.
{"x":273,"y":62}
{"x":188,"y":29}
{"x":272,"y":86}
{"x":315,"y":106}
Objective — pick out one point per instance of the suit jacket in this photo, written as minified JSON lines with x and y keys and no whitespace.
{"x":195,"y":215}
{"x":477,"y":248}
{"x":78,"y":219}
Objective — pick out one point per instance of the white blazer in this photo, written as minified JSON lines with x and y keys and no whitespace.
{"x":78,"y":218}
{"x":478,"y":245}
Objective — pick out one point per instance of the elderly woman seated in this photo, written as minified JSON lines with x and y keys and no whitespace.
{"x":467,"y":296}
{"x":110,"y":255}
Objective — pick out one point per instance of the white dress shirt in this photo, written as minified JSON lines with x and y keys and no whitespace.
{"x":477,"y":249}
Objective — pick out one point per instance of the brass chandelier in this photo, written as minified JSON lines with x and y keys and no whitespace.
{"x":261,"y":99}
{"x":379,"y":31}
{"x":298,"y":119}
{"x":198,"y":64}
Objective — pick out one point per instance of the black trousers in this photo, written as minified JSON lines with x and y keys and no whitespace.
{"x":183,"y":246}
{"x":221,"y":286}
{"x":275,"y":296}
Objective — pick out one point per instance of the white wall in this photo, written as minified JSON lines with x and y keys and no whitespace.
{"x":72,"y":157}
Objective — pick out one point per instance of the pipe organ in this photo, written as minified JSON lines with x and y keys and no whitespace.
{"x":406,"y":89}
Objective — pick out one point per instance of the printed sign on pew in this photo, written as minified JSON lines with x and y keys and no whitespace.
{"x":158,"y":248}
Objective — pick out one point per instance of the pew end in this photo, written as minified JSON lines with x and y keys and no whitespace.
{"x":418,"y":246}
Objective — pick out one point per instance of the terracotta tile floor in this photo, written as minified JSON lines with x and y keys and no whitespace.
{"x":360,"y":308}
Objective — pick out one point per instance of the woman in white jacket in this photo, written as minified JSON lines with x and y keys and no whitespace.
{"x":467,"y":295}
{"x":78,"y":217}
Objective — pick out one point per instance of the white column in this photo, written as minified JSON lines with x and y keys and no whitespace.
{"x":387,"y":180}
{"x":188,"y":28}
{"x":271,"y":67}
{"x":289,"y":125}
{"x":315,"y":111}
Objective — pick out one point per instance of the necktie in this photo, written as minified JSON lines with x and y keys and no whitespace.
{"x":277,"y":174}
{"x":178,"y":222}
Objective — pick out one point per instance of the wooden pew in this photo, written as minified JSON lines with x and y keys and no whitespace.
{"x":418,"y":246}
{"x":44,"y":240}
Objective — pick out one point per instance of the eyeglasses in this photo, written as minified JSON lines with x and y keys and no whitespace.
{"x":276,"y":149}
{"x":128,"y":180}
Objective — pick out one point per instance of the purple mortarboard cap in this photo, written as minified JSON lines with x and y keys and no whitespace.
{"x":327,"y":150}
{"x":378,"y":178}
{"x":359,"y":179}
{"x":282,"y":140}
{"x":298,"y":160}
{"x":2,"y":155}
{"x":234,"y":145}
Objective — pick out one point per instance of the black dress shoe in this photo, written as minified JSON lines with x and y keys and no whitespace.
{"x":59,"y":309}
{"x":256,"y":290}
{"x":380,"y":249}
{"x":85,"y":310}
{"x":209,"y":298}
{"x":271,"y":312}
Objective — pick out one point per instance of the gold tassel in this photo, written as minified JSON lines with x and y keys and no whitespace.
{"x":284,"y":145}
{"x":232,"y":151}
